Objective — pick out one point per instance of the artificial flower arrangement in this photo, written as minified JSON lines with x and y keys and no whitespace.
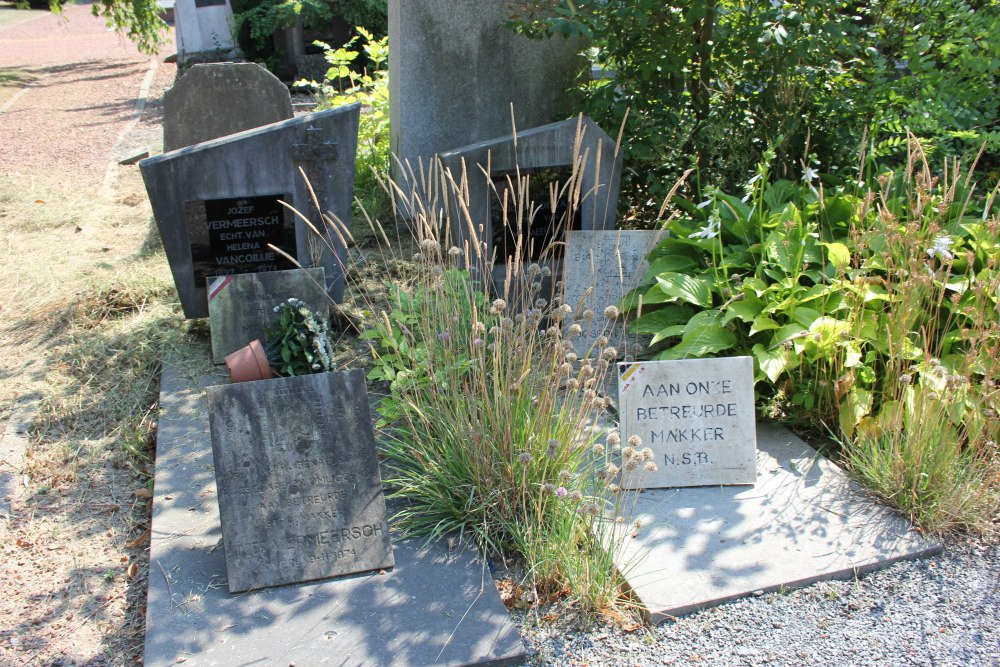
{"x":298,"y":342}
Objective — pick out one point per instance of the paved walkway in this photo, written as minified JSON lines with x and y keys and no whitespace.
{"x":81,"y":89}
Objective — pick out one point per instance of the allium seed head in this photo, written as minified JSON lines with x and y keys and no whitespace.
{"x":611,"y":313}
{"x":634,"y":441}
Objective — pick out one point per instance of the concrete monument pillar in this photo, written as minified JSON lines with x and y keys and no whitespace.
{"x":455,"y":68}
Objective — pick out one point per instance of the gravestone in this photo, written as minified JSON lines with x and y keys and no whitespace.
{"x":493,"y":74}
{"x":697,"y":415}
{"x":559,"y":147}
{"x":241,"y":306}
{"x":231,"y":187}
{"x":219,"y":99}
{"x":203,"y":29}
{"x":610,"y":264}
{"x":300,"y":494}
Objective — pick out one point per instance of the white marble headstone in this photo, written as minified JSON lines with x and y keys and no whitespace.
{"x":696,"y":415}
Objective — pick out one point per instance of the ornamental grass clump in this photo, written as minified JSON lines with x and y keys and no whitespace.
{"x":928,"y":436}
{"x":492,"y":429}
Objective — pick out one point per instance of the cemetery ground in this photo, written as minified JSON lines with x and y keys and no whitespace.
{"x":89,"y":310}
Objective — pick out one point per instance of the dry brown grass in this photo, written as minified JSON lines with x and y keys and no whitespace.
{"x":87,"y":308}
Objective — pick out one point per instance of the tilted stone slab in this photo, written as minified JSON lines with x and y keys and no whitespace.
{"x":435,"y":607}
{"x":241,"y":306}
{"x":557,"y":146}
{"x":609,"y":264}
{"x":804,"y":521}
{"x":203,"y":193}
{"x":696,"y":415}
{"x":300,"y":492}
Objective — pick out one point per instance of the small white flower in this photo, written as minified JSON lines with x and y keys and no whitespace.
{"x":711,"y":230}
{"x":941,"y":248}
{"x":809,"y":175}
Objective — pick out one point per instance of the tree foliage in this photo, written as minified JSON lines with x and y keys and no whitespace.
{"x":137,"y":20}
{"x":714,"y":84}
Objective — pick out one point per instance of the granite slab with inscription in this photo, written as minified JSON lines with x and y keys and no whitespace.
{"x":300,"y":492}
{"x":610,"y":263}
{"x":698,"y":417}
{"x":436,"y":607}
{"x":804,"y":521}
{"x":241,"y":306}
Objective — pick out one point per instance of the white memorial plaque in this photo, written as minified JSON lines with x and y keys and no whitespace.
{"x":613,"y":263}
{"x":696,"y":415}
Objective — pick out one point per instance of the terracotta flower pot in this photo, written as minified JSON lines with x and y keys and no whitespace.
{"x":248,"y":363}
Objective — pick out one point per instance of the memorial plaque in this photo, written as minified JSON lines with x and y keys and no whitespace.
{"x":300,"y":495}
{"x":610,"y":262}
{"x":241,"y":306}
{"x":696,"y":415}
{"x":232,"y":235}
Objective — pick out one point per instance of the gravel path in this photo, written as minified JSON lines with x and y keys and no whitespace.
{"x":80,"y":85}
{"x":941,"y":611}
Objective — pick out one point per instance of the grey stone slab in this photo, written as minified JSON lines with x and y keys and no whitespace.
{"x":241,"y":306}
{"x":215,"y":100}
{"x":300,"y":494}
{"x":256,"y":163}
{"x":576,"y":142}
{"x":804,"y":521}
{"x":434,"y":608}
{"x":456,"y":70}
{"x":698,"y":417}
{"x":608,"y":264}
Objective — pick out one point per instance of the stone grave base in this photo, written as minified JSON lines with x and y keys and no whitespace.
{"x":434,"y":608}
{"x":804,"y":521}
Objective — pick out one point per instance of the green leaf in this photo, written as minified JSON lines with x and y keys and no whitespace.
{"x":670,"y":263}
{"x":855,"y":405}
{"x":668,"y":332}
{"x":653,"y":322}
{"x":703,"y":335}
{"x":771,"y":362}
{"x":747,"y":309}
{"x":696,"y":291}
{"x":838,"y":255}
{"x":763,"y":324}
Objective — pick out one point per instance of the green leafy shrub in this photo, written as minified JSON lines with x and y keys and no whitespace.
{"x":342,"y":85}
{"x":870,"y":311}
{"x":714,"y":84}
{"x":258,"y":21}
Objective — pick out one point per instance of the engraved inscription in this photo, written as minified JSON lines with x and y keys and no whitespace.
{"x":697,"y":416}
{"x":299,"y":489}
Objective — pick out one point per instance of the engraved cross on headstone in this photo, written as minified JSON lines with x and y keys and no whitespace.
{"x":314,"y":150}
{"x":317,"y":158}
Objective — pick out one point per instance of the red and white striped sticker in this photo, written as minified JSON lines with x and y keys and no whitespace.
{"x":218,"y":285}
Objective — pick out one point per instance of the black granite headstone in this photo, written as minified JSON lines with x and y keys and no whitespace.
{"x":232,"y":235}
{"x":300,"y":495}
